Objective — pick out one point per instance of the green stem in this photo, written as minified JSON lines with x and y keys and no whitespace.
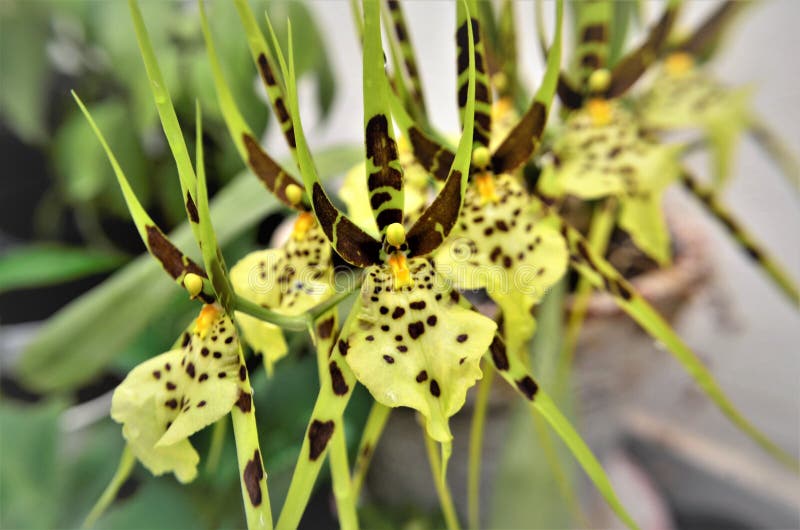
{"x":124,"y":469}
{"x":255,"y":493}
{"x":476,"y":446}
{"x":601,"y":227}
{"x":445,"y":500}
{"x":342,"y":486}
{"x":217,"y":443}
{"x":373,"y":429}
{"x":745,"y":240}
{"x":560,"y":476}
{"x":325,"y":430}
{"x":777,"y":150}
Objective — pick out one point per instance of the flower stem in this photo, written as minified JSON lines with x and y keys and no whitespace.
{"x":217,"y":443}
{"x":126,"y":462}
{"x":476,"y":446}
{"x":602,"y":224}
{"x":255,"y":493}
{"x":373,"y":429}
{"x":445,"y":499}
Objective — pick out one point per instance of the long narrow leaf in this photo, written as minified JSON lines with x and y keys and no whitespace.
{"x":39,"y":265}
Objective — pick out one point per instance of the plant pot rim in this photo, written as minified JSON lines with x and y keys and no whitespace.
{"x":690,"y":270}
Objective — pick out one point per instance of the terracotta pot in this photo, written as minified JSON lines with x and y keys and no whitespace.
{"x":612,"y":356}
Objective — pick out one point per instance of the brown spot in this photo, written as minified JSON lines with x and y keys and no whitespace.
{"x":204,"y":352}
{"x":462,"y":338}
{"x":623,"y":290}
{"x":415,"y":329}
{"x":319,"y":433}
{"x":422,"y":376}
{"x":343,"y":347}
{"x":202,"y":378}
{"x":338,"y":383}
{"x":170,"y":385}
{"x":325,"y":328}
{"x":266,"y":71}
{"x":184,"y":341}
{"x":498,"y":350}
{"x":434,"y":388}
{"x":190,"y":370}
{"x":379,"y":198}
{"x":201,"y":404}
{"x":389,"y":216}
{"x":280,"y":110}
{"x":527,"y":386}
{"x":431,"y":320}
{"x":419,"y":305}
{"x":157,"y":374}
{"x":191,"y":209}
{"x":172,"y":403}
{"x":253,"y":473}
{"x":398,"y":312}
{"x":242,"y":372}
{"x":168,"y":254}
{"x":594,"y":33}
{"x":245,"y":401}
{"x":389,"y":359}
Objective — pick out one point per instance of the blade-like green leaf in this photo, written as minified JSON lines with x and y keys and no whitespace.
{"x":82,"y":338}
{"x":39,"y":265}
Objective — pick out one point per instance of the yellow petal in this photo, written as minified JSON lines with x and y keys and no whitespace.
{"x":415,"y":347}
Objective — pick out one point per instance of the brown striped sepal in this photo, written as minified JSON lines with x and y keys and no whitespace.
{"x":270,"y":173}
{"x":483,"y":93}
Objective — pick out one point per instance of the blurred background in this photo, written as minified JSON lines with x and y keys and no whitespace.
{"x":64,"y":229}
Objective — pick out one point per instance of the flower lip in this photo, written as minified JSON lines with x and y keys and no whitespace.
{"x":208,"y":315}
{"x":486,"y":188}
{"x":400,"y":272}
{"x":305,"y":221}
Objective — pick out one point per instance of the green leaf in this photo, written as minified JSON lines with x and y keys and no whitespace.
{"x":38,"y":265}
{"x":25,"y":69}
{"x":82,"y":164}
{"x":30,"y":479}
{"x":83,"y":338}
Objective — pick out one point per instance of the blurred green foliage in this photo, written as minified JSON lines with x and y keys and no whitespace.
{"x":48,"y":47}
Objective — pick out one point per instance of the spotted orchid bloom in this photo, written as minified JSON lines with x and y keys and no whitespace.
{"x":684,"y":95}
{"x":289,"y":280}
{"x":500,"y":242}
{"x":601,"y":153}
{"x":168,"y":398}
{"x":407,"y":340}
